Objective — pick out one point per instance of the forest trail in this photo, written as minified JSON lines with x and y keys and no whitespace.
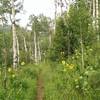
{"x":40,"y":87}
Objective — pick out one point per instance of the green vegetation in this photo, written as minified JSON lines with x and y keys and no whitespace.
{"x":21,"y":84}
{"x":47,"y":64}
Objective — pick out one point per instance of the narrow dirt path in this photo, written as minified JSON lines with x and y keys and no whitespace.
{"x":40,"y":87}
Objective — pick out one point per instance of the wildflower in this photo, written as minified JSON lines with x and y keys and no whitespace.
{"x":77,"y":86}
{"x":91,"y":49}
{"x":13,"y":76}
{"x":81,"y":77}
{"x":67,"y":64}
{"x":76,"y":80}
{"x":22,"y":63}
{"x":63,"y":62}
{"x":71,"y":66}
{"x":86,"y":73}
{"x":62,"y":53}
{"x":91,"y":68}
{"x":9,"y":69}
{"x":85,"y":89}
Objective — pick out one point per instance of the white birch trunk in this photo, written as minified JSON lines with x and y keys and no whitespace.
{"x":97,"y":16}
{"x":94,"y":15}
{"x":50,"y":37}
{"x":15,"y":61}
{"x":35,"y":48}
{"x":61,"y":7}
{"x":55,"y":2}
{"x":17,"y":49}
{"x":39,"y":51}
{"x":25,"y":44}
{"x":90,"y":7}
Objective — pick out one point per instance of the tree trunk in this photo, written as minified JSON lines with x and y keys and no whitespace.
{"x":55,"y":1}
{"x":15,"y":59}
{"x":17,"y":50}
{"x":39,"y":52}
{"x":97,"y":16}
{"x":61,"y":7}
{"x":94,"y":14}
{"x":25,"y":44}
{"x":35,"y":48}
{"x":50,"y":39}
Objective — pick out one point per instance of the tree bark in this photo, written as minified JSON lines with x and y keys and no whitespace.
{"x":25,"y":44}
{"x":17,"y":50}
{"x":94,"y":14}
{"x":39,"y":52}
{"x":35,"y":48}
{"x":55,"y":1}
{"x":61,"y":7}
{"x":15,"y":59}
{"x":97,"y":16}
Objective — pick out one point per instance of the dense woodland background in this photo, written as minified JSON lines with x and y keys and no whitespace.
{"x":62,"y":54}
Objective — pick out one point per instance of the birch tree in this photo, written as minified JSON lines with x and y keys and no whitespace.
{"x":15,"y":9}
{"x":15,"y":57}
{"x":39,"y":51}
{"x":17,"y":50}
{"x":55,"y":3}
{"x":95,"y":17}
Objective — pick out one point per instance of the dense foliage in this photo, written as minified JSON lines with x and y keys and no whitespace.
{"x":66,"y":63}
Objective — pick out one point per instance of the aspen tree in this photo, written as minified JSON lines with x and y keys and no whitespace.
{"x":61,"y":6}
{"x":25,"y":47}
{"x":50,"y":38}
{"x":94,"y":15}
{"x":17,"y":50}
{"x":55,"y":2}
{"x":15,"y":58}
{"x":35,"y":47}
{"x":39,"y":51}
{"x":97,"y":16}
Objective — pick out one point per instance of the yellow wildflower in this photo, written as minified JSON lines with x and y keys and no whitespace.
{"x":80,"y":77}
{"x":86,"y":72}
{"x":9,"y":69}
{"x":13,"y":76}
{"x":62,"y":53}
{"x":76,"y":80}
{"x":77,"y":86}
{"x":63,"y":62}
{"x":91,"y":49}
{"x":71,"y":66}
{"x":67,"y":64}
{"x":22,"y":63}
